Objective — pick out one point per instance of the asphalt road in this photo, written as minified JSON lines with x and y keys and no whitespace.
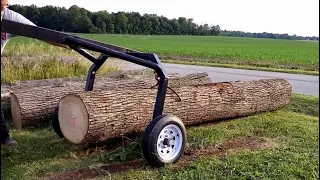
{"x":302,"y":84}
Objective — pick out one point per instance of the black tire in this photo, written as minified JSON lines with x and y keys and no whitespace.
{"x":55,"y":122}
{"x":150,"y":138}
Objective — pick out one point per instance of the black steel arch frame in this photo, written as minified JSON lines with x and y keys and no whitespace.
{"x":79,"y":44}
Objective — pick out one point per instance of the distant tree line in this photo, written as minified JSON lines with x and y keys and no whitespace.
{"x":267,"y":35}
{"x":79,"y":20}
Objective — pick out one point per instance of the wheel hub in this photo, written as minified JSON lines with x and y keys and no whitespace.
{"x":166,"y":142}
{"x":169,"y":142}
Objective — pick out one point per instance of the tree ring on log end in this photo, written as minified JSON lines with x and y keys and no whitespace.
{"x":73,"y":118}
{"x":15,"y":111}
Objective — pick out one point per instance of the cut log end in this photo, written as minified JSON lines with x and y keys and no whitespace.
{"x":73,"y":118}
{"x":15,"y":111}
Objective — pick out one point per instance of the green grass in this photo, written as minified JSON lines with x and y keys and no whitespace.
{"x":45,"y":69}
{"x":222,"y":48}
{"x":294,"y":130}
{"x":248,"y":67}
{"x":38,"y":60}
{"x":304,"y":104}
{"x":267,"y":53}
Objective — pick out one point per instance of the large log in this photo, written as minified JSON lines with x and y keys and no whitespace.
{"x":33,"y":106}
{"x":92,"y":117}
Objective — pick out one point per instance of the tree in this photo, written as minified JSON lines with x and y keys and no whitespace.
{"x":101,"y":25}
{"x":80,"y":20}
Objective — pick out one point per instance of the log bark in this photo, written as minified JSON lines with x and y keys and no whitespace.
{"x":92,"y":117}
{"x":34,"y":106}
{"x":71,"y":81}
{"x":118,"y":75}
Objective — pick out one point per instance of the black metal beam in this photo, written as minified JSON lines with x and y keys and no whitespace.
{"x":110,"y":46}
{"x":49,"y":35}
{"x":85,"y":54}
{"x":33,"y":31}
{"x":110,"y":52}
{"x":107,"y":50}
{"x":93,"y":71}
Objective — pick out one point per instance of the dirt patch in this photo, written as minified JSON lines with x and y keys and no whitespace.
{"x":191,"y":154}
{"x":250,"y":143}
{"x":98,"y":170}
{"x":224,"y":148}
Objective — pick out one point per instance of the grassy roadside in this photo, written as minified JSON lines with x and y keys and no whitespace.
{"x":248,"y":67}
{"x":254,"y":54}
{"x":293,"y":130}
{"x":46,"y":69}
{"x":35,"y":61}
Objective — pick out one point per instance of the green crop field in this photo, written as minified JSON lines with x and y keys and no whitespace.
{"x":267,"y":53}
{"x":285,"y":143}
{"x":221,"y":48}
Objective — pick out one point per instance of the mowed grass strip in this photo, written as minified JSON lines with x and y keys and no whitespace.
{"x":293,"y":132}
{"x":268,"y":53}
{"x":247,"y":67}
{"x":47,"y":68}
{"x":32,"y":60}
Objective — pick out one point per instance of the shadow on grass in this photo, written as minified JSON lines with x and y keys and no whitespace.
{"x":304,"y":104}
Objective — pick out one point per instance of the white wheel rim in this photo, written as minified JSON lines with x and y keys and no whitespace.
{"x":169,"y":142}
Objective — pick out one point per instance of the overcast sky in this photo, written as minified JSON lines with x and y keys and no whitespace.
{"x":300,"y":17}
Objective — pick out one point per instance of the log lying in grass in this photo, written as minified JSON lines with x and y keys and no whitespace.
{"x":34,"y":106}
{"x":91,"y":117}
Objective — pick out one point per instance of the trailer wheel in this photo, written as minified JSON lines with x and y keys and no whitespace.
{"x":164,"y":140}
{"x":55,"y":122}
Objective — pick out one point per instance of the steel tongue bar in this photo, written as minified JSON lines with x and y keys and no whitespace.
{"x":52,"y":36}
{"x":32,"y":32}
